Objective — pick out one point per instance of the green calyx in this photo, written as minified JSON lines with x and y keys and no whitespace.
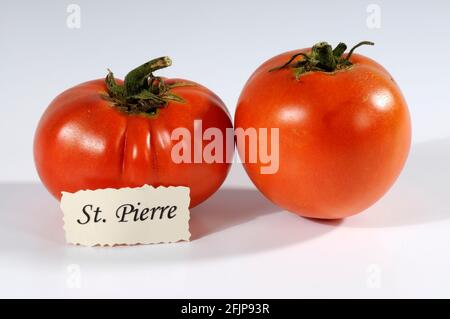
{"x":322,"y":58}
{"x":142,"y":92}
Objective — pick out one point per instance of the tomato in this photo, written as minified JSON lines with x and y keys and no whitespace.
{"x":344,"y":130}
{"x":114,"y":134}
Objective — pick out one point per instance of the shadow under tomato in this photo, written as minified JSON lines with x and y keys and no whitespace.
{"x":240,"y":221}
{"x":234,"y":221}
{"x":227,"y":208}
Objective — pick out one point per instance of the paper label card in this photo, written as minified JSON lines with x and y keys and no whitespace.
{"x":142,"y":215}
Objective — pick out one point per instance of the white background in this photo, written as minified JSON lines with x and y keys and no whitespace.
{"x":244,"y":246}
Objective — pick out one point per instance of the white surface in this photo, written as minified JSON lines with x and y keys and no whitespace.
{"x":245,"y":247}
{"x":216,"y":43}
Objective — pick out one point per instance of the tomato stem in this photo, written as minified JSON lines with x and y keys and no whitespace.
{"x":322,"y":58}
{"x":135,"y":80}
{"x":142,"y":92}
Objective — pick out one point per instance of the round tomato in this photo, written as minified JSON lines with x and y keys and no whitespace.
{"x":344,"y":130}
{"x":113,"y":134}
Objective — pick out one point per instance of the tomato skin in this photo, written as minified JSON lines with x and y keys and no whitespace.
{"x":344,"y":136}
{"x":82,"y":142}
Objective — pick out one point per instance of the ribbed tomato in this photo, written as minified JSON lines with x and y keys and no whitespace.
{"x":108,"y":134}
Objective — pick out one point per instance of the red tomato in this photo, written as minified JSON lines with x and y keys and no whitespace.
{"x":344,"y":130}
{"x":103,"y":134}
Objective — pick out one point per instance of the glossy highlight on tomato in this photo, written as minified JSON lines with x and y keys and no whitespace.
{"x":344,"y":130}
{"x":111,"y":134}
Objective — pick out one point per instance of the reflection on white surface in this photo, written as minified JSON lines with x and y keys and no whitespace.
{"x":243,"y":246}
